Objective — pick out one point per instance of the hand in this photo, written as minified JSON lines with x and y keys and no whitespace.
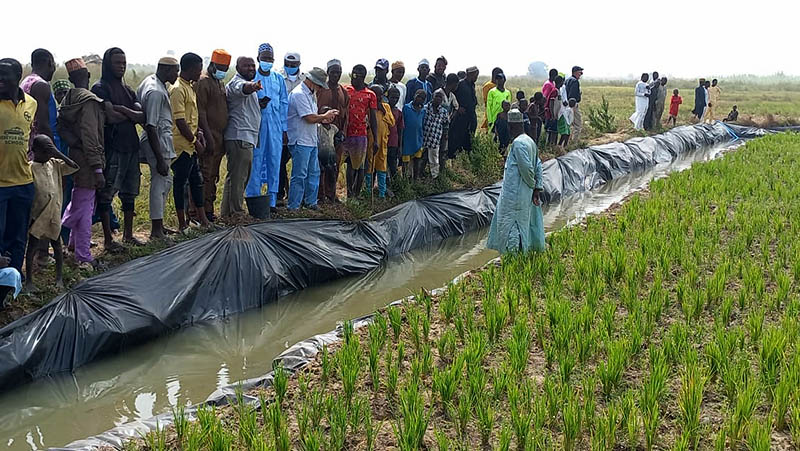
{"x":161,"y":167}
{"x":461,"y":110}
{"x":285,"y":139}
{"x":329,"y":116}
{"x":5,"y":262}
{"x":536,"y":199}
{"x":263,"y":102}
{"x":99,"y":180}
{"x":199,"y":146}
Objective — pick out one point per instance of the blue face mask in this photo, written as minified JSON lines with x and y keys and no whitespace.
{"x":291,"y":70}
{"x":265,"y":66}
{"x":219,"y":75}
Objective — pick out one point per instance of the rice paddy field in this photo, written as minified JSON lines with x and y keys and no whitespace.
{"x":670,"y":322}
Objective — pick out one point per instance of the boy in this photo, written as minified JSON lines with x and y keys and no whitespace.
{"x":674,"y":104}
{"x":376,"y":161}
{"x":395,"y":133}
{"x":520,"y":96}
{"x":326,"y":144}
{"x":495,"y":99}
{"x":565,"y":122}
{"x":551,"y":111}
{"x":500,"y":128}
{"x":733,"y":115}
{"x":413,"y":117}
{"x":48,"y":167}
{"x":436,"y":120}
{"x":522,"y":105}
{"x":536,"y":116}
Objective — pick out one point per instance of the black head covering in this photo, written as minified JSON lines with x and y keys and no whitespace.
{"x":119,"y":93}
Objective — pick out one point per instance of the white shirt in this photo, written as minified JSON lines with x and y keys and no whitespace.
{"x":302,"y":102}
{"x":402,"y":88}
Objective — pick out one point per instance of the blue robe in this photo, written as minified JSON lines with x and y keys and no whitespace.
{"x":267,"y":154}
{"x":517,"y":224}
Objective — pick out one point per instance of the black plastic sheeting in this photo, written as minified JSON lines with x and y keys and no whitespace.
{"x":316,"y":251}
{"x":245,"y":267}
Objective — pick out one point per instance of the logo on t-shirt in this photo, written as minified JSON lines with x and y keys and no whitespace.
{"x":14,"y":136}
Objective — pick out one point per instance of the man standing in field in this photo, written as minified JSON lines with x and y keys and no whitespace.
{"x":188,"y":140}
{"x":700,"y":100}
{"x":335,"y":97}
{"x":81,"y":123}
{"x":37,"y":85}
{"x":273,"y":99}
{"x":121,"y":140}
{"x":241,"y":133}
{"x":362,"y":108}
{"x":17,"y":113}
{"x":212,"y":113}
{"x":488,"y":86}
{"x":438,"y":78}
{"x":714,"y":94}
{"x":573,"y":86}
{"x":156,"y":143}
{"x":661,"y":100}
{"x":293,"y":78}
{"x":654,"y":87}
{"x":465,"y":120}
{"x":421,"y":82}
{"x":398,"y":72}
{"x":381,"y":70}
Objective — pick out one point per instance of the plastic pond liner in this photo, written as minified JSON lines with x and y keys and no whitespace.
{"x":242,"y":268}
{"x":286,"y":256}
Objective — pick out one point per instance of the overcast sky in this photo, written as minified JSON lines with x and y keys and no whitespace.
{"x":615,"y":38}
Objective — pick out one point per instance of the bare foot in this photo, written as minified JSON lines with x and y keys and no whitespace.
{"x":29,"y":288}
{"x":60,"y":284}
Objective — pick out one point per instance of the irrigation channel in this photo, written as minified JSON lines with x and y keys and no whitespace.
{"x":185,"y":367}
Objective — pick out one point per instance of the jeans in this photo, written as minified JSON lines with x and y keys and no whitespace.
{"x":15,"y":216}
{"x":305,"y":176}
{"x":185,"y":168}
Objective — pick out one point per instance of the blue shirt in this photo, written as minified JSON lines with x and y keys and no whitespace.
{"x":415,"y":84}
{"x":302,"y":102}
{"x":412,"y":133}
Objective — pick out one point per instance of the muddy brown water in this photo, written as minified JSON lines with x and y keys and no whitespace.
{"x":185,"y":367}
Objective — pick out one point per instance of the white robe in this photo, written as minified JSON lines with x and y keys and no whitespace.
{"x":641,"y":105}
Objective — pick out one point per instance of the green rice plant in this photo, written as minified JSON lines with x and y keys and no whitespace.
{"x":629,"y":418}
{"x":605,"y":432}
{"x":755,"y":325}
{"x":655,"y":384}
{"x":501,"y":378}
{"x":219,"y":438}
{"x":377,"y":331}
{"x":725,"y":310}
{"x":504,"y":439}
{"x":495,"y":314}
{"x":690,"y":400}
{"x":445,"y":382}
{"x":401,"y":353}
{"x":312,"y":440}
{"x":156,"y":440}
{"x":794,"y":421}
{"x":461,"y":413}
{"x":326,"y":363}
{"x":607,"y":314}
{"x":374,"y":362}
{"x":395,"y":320}
{"x":446,"y":345}
{"x":552,"y":395}
{"x":720,"y":439}
{"x":442,"y":440}
{"x":521,"y":418}
{"x":610,"y":371}
{"x":571,"y":416}
{"x":349,"y":366}
{"x":392,"y":375}
{"x":194,"y":438}
{"x":519,"y":346}
{"x":207,"y":416}
{"x":771,"y":352}
{"x":566,"y":363}
{"x":485,"y":417}
{"x":677,"y":343}
{"x":746,"y":402}
{"x":651,"y":419}
{"x":414,"y":317}
{"x":180,"y":422}
{"x":371,"y":429}
{"x":476,"y":350}
{"x":358,"y":410}
{"x":682,"y":443}
{"x":734,"y":374}
{"x":410,"y":427}
{"x":280,"y":380}
{"x":337,"y":420}
{"x":448,"y":304}
{"x":589,"y":403}
{"x":348,"y":331}
{"x":247,"y":417}
{"x":782,"y":396}
{"x":424,"y":299}
{"x":426,"y":359}
{"x":759,"y":436}
{"x":512,"y":299}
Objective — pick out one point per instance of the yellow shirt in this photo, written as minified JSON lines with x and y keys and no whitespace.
{"x":15,"y":133}
{"x":184,"y":106}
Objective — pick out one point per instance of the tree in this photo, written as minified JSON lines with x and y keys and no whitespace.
{"x":538,"y":69}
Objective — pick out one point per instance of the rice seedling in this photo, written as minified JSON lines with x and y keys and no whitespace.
{"x":326,"y":364}
{"x":610,"y":371}
{"x":414,"y":317}
{"x":794,"y":421}
{"x":446,"y":381}
{"x":446,"y":345}
{"x":501,"y":378}
{"x":519,"y":345}
{"x":180,"y":422}
{"x":412,"y":423}
{"x":442,"y":440}
{"x":571,"y":415}
{"x":337,"y":420}
{"x":485,"y":416}
{"x":758,"y":436}
{"x":374,"y":362}
{"x":280,"y":381}
{"x":392,"y":375}
{"x":247,"y":417}
{"x":371,"y":429}
{"x":690,"y":399}
{"x":349,"y":366}
{"x":357,"y":413}
{"x":312,"y":440}
{"x":745,"y":403}
{"x":773,"y":344}
{"x":156,"y":440}
{"x":395,"y":320}
{"x":781,"y":398}
{"x":629,"y":418}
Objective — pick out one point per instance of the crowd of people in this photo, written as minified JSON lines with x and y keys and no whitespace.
{"x":650,"y":99}
{"x":68,"y":149}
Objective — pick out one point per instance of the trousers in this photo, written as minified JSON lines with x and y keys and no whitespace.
{"x":15,"y":215}
{"x":159,"y":189}
{"x":240,"y":159}
{"x":185,"y":169}
{"x":210,"y":161}
{"x":78,"y":217}
{"x":305,"y":176}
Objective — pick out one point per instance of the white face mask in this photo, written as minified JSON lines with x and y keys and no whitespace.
{"x":291,"y":77}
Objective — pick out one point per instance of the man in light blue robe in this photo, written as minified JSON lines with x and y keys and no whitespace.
{"x":274,"y":102}
{"x":517,"y":224}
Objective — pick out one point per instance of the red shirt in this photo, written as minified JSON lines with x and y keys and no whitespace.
{"x":360,"y":104}
{"x":673,"y":105}
{"x":399,"y":125}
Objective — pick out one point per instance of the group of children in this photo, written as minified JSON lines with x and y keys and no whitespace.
{"x":550,"y":110}
{"x":674,"y":106}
